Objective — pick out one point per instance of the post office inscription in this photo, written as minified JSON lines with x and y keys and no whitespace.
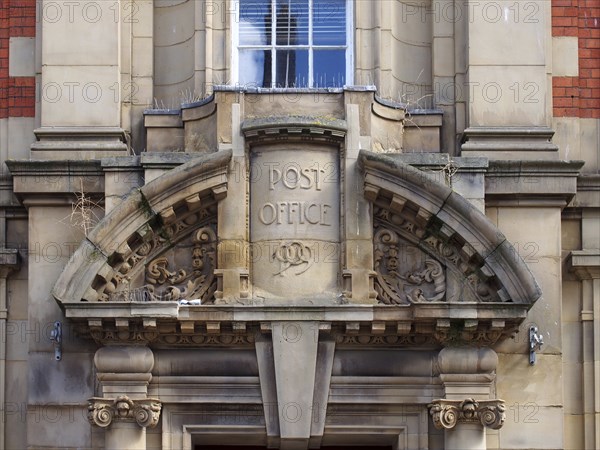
{"x":295,"y":221}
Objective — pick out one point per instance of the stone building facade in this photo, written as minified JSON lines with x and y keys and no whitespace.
{"x":300,"y":224}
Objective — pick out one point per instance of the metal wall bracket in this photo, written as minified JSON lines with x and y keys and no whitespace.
{"x":56,"y":337}
{"x":535,"y":343}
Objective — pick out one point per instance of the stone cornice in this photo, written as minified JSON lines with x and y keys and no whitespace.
{"x":533,"y":183}
{"x":277,"y":127}
{"x":104,"y":411}
{"x":447,"y":413}
{"x":588,"y":189}
{"x":9,"y":261}
{"x":585,"y":264}
{"x":167,"y":324}
{"x":51,"y":178}
{"x":497,"y":140}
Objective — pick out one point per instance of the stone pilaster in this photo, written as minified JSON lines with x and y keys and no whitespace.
{"x":81,"y":91}
{"x":508,"y":97}
{"x":124,"y":411}
{"x":467,"y":375}
{"x":9,"y":262}
{"x":586,"y":265}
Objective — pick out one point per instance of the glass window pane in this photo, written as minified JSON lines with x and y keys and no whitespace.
{"x":329,"y":68}
{"x":292,"y":22}
{"x":329,"y":22}
{"x":253,"y":64}
{"x":255,"y":22}
{"x":292,"y":68}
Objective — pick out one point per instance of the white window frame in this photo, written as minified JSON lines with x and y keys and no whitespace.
{"x":349,"y":47}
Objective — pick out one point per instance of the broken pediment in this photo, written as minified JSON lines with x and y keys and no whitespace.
{"x":410,"y":206}
{"x":176,"y":263}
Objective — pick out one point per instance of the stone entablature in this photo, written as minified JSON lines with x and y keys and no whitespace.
{"x":168,"y":324}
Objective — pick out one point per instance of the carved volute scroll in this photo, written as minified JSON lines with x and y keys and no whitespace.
{"x":447,"y":413}
{"x":413,"y":265}
{"x":104,"y":411}
{"x":170,"y":262}
{"x":404,"y":273}
{"x":169,"y":279}
{"x":481,"y":264}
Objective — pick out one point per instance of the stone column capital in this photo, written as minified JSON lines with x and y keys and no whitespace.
{"x":103,"y":411}
{"x":447,"y":413}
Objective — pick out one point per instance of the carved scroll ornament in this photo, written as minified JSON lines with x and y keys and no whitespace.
{"x":394,"y":286}
{"x":103,"y":411}
{"x":447,"y":413}
{"x":194,"y":282}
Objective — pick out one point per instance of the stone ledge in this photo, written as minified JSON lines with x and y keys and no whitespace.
{"x":585,"y":264}
{"x":60,"y":143}
{"x":315,"y":126}
{"x":537,"y":182}
{"x":588,"y":192}
{"x":172,"y":325}
{"x":56,"y":177}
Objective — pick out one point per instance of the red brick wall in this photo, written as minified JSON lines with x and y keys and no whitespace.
{"x":578,"y":96}
{"x":17,"y":94}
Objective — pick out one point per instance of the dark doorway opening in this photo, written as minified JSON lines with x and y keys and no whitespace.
{"x":244,"y":447}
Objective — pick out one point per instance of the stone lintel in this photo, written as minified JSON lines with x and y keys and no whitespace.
{"x":446,"y":414}
{"x":104,"y":411}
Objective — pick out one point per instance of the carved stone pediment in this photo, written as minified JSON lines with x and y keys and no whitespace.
{"x":414,"y":210}
{"x":161,"y":267}
{"x":133,"y":253}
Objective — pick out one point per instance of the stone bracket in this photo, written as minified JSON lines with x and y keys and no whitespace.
{"x":232,"y":285}
{"x":447,"y":413}
{"x":103,"y":411}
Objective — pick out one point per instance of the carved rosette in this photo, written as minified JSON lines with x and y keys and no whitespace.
{"x":447,"y":413}
{"x":103,"y":411}
{"x":397,"y":285}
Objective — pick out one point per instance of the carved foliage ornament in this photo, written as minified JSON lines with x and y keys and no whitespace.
{"x":397,"y":286}
{"x":103,"y":411}
{"x":145,"y":245}
{"x":452,"y":255}
{"x":447,"y":413}
{"x":194,"y":282}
